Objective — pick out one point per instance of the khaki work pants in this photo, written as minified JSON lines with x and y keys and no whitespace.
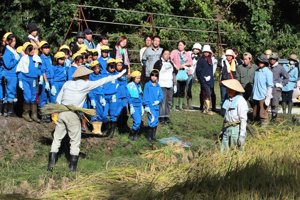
{"x":67,"y":122}
{"x":260,"y":111}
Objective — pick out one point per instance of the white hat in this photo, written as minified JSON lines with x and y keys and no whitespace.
{"x":229,"y":52}
{"x":81,"y":71}
{"x":206,"y":48}
{"x":197,"y":46}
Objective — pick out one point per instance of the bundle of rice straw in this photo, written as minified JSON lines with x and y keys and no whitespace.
{"x":57,"y":108}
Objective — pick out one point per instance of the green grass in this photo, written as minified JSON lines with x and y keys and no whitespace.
{"x":119,"y":168}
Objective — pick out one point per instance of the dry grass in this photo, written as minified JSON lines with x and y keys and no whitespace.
{"x":268,"y":169}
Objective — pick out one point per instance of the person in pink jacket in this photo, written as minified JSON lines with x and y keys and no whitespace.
{"x":182,"y":61}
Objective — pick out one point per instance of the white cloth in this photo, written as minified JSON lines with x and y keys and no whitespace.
{"x":11,"y":50}
{"x":23,"y":65}
{"x":215,"y":64}
{"x":99,"y":45}
{"x":74,"y":92}
{"x":239,"y":113}
{"x":142,"y":53}
{"x":166,"y":74}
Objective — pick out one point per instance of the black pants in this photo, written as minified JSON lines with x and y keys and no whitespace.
{"x":181,"y":85}
{"x":287,"y":96}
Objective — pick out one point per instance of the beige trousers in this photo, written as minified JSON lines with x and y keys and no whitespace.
{"x":67,"y":122}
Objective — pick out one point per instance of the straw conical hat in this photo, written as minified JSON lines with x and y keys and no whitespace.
{"x":81,"y":71}
{"x":234,"y":85}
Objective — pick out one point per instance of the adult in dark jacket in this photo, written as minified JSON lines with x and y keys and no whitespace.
{"x":79,"y":37}
{"x":32,"y":29}
{"x":204,"y":72}
{"x":280,"y":79}
{"x":168,"y":83}
{"x":120,"y":52}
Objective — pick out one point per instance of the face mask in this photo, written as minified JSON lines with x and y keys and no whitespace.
{"x":292,"y":62}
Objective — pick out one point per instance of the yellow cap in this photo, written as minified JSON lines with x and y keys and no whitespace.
{"x":42,"y":43}
{"x":6,"y":35}
{"x":82,"y":46}
{"x":135,"y":74}
{"x":26,"y":44}
{"x":105,"y":47}
{"x":119,"y":60}
{"x":59,"y":55}
{"x":64,"y":47}
{"x":19,"y":49}
{"x":75,"y":55}
{"x":111,"y":60}
{"x":94,"y":63}
{"x":94,"y":50}
{"x":82,"y":51}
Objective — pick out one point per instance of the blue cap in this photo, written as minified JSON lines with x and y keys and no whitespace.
{"x":88,"y":31}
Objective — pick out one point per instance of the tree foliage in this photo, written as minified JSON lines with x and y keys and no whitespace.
{"x":252,"y":25}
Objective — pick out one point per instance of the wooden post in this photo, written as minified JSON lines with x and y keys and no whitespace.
{"x":69,"y":27}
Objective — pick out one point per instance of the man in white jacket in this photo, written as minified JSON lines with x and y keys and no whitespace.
{"x":74,"y":93}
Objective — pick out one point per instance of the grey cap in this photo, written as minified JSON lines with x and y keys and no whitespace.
{"x":273,"y":56}
{"x":263,"y":58}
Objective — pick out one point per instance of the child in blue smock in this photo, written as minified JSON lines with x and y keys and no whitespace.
{"x":45,"y":73}
{"x":66,"y":50}
{"x":28,"y":71}
{"x":121,"y":93}
{"x":97,"y":99}
{"x":77,"y":62}
{"x":59,"y":75}
{"x":2,"y":49}
{"x":153,"y":96}
{"x":104,"y":58}
{"x":95,"y":54}
{"x":134,"y":97}
{"x":110,"y":95}
{"x":10,"y":59}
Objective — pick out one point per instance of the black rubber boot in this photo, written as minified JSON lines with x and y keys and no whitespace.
{"x":5,"y":110}
{"x":149,"y":134}
{"x":153,"y":134}
{"x":133,"y":135}
{"x":10,"y":110}
{"x":167,"y":120}
{"x":274,"y":116}
{"x":112,"y":129}
{"x":283,"y":107}
{"x":162,"y":120}
{"x":105,"y":127}
{"x":34,"y":113}
{"x":52,"y":156}
{"x":136,"y":134}
{"x":73,"y":163}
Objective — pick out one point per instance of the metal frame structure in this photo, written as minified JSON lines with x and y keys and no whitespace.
{"x":150,"y":20}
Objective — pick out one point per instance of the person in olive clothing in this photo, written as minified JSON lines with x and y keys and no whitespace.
{"x":245,"y":75}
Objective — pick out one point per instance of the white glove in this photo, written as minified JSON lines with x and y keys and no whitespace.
{"x":241,"y":141}
{"x":268,"y":97}
{"x":93,"y":103}
{"x":278,"y":85}
{"x":207,"y":78}
{"x":117,"y":85}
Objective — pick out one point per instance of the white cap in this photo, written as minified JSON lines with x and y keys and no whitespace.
{"x":197,"y":46}
{"x":229,"y":52}
{"x":206,"y":48}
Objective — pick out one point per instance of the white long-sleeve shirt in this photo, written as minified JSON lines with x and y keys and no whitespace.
{"x":74,"y":92}
{"x":239,"y":113}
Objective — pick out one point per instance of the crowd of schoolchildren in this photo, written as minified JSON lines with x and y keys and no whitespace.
{"x":30,"y":73}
